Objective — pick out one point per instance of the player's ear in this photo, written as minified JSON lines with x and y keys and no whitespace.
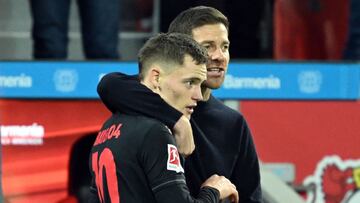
{"x":154,"y":73}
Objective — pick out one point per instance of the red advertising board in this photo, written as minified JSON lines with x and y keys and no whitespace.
{"x":321,"y":138}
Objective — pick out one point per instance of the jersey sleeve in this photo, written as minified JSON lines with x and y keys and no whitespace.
{"x":125,"y":94}
{"x":162,"y":165}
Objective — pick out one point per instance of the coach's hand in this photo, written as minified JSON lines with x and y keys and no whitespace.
{"x":224,"y":186}
{"x":184,"y":136}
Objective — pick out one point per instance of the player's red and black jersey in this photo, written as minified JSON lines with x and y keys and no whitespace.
{"x":134,"y":159}
{"x":224,"y":144}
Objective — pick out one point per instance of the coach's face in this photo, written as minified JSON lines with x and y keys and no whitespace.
{"x":181,"y":88}
{"x":215,"y":39}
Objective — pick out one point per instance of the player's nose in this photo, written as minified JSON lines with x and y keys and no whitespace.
{"x":197,"y":95}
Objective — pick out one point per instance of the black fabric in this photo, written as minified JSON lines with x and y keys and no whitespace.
{"x":130,"y":96}
{"x":224,"y":144}
{"x":139,"y":152}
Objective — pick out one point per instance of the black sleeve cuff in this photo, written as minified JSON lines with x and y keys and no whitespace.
{"x":209,"y":193}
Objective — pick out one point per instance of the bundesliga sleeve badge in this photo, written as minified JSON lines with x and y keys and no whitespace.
{"x":173,"y":162}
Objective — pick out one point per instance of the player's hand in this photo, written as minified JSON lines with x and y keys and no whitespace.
{"x":224,"y":186}
{"x":184,"y":136}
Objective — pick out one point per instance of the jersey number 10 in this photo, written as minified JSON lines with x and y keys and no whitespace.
{"x":105,"y":163}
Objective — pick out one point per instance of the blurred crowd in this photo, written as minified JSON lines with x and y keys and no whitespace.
{"x":259,"y":29}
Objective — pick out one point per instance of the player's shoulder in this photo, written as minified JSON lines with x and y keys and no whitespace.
{"x":154,"y":132}
{"x":151,"y":121}
{"x":137,"y":122}
{"x":151,"y":125}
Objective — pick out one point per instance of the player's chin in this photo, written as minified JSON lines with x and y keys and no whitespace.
{"x":187,"y":112}
{"x":187,"y":115}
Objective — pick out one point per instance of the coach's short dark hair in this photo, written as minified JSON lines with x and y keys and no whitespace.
{"x":169,"y":49}
{"x":195,"y":17}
